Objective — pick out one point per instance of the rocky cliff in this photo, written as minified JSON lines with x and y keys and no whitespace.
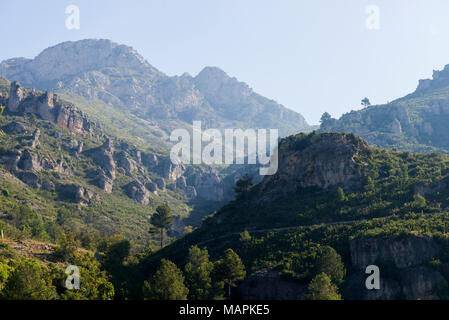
{"x":415,"y":122}
{"x":119,"y":76}
{"x":323,"y":161}
{"x":47,"y":106}
{"x":404,"y":264}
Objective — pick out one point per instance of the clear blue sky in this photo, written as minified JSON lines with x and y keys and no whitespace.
{"x":309,"y":55}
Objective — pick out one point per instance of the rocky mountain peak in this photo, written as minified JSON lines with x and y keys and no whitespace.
{"x":440,"y":78}
{"x":70,"y":58}
{"x":101,"y":70}
{"x":213,"y":80}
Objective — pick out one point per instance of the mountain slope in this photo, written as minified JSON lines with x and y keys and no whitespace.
{"x":118,"y":76}
{"x":373,"y":206}
{"x":416,"y":122}
{"x":109,"y":184}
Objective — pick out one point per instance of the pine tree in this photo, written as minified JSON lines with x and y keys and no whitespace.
{"x":329,"y":262}
{"x":162,"y":219}
{"x":198,"y":274}
{"x":321,"y":288}
{"x":166,"y":284}
{"x":229,"y":270}
{"x":242,"y":187}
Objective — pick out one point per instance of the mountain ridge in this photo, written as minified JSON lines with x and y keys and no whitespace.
{"x":118,"y":75}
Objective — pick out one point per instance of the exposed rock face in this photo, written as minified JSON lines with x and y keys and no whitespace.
{"x":268,"y":285}
{"x":409,"y":123}
{"x":402,"y":252}
{"x":191,"y":192}
{"x":16,"y":95}
{"x":209,"y":186}
{"x":75,"y":193}
{"x":152,"y":187}
{"x":35,"y":138}
{"x":30,"y":178}
{"x":150,"y":160}
{"x":48,"y":107}
{"x":124,"y":161}
{"x":118,"y":75}
{"x":355,"y":289}
{"x":171,"y":171}
{"x":408,"y":256}
{"x":75,"y":146}
{"x":160,"y":183}
{"x":104,"y":182}
{"x":29,"y":161}
{"x":10,"y":160}
{"x":135,"y":190}
{"x":325,"y":161}
{"x":103,"y":157}
{"x":422,"y":283}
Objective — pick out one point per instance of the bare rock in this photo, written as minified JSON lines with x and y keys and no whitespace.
{"x":402,"y":252}
{"x":29,"y":161}
{"x":135,"y":190}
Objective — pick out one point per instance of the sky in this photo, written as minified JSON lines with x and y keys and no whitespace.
{"x":312,"y":56}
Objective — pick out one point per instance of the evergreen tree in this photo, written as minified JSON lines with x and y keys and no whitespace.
{"x":321,"y":288}
{"x":229,"y":270}
{"x":166,"y":284}
{"x":198,"y":274}
{"x":366,"y":102}
{"x":329,"y":262}
{"x":325,"y":118}
{"x":28,"y":282}
{"x":242,"y":187}
{"x":162,"y":219}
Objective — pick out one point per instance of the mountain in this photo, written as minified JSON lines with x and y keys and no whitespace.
{"x":416,"y":122}
{"x":116,"y":75}
{"x":63,"y":159}
{"x":339,"y":200}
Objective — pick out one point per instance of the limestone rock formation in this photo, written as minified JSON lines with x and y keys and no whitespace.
{"x":268,"y":285}
{"x":118,"y":75}
{"x":135,"y":190}
{"x":103,"y":157}
{"x":408,"y":255}
{"x":48,"y":107}
{"x":324,"y":161}
{"x":35,"y":138}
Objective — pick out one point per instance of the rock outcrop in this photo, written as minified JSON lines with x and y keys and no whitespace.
{"x":75,"y":193}
{"x":35,"y":138}
{"x":324,"y":161}
{"x":268,"y":285}
{"x":103,"y":157}
{"x":135,"y":190}
{"x":403,"y":262}
{"x":401,"y":252}
{"x":118,"y":75}
{"x":48,"y":107}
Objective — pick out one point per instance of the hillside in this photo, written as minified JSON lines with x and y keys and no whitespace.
{"x":370,"y":205}
{"x":54,"y":156}
{"x":416,"y":122}
{"x":122,"y":81}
